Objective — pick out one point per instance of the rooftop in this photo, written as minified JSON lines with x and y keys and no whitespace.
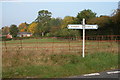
{"x":24,"y":33}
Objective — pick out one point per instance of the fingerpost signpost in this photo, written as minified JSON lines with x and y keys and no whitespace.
{"x":83,"y":26}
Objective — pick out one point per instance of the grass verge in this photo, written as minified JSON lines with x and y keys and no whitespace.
{"x":57,"y":65}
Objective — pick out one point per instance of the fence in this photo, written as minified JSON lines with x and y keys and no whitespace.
{"x":59,"y":45}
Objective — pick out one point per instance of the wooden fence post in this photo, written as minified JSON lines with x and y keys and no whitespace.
{"x":21,"y":43}
{"x":5,"y":46}
{"x":69,"y":44}
{"x":53,"y":46}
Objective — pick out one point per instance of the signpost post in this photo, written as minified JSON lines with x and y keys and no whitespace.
{"x":83,"y":26}
{"x":83,"y":37}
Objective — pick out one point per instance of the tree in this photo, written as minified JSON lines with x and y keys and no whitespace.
{"x":55,"y":25}
{"x":43,"y":16}
{"x":116,"y":22}
{"x":5,"y":30}
{"x":104,"y":23}
{"x":64,"y":32}
{"x":33,"y":27}
{"x":23,"y":27}
{"x":87,"y":14}
{"x":101,"y":21}
{"x":14,"y":30}
{"x":42,"y":29}
{"x":0,"y":31}
{"x":43,"y":19}
{"x":55,"y":22}
{"x":67,"y":20}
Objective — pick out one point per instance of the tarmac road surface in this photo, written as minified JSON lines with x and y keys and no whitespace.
{"x":105,"y":74}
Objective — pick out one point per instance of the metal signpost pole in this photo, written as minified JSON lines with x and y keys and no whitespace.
{"x":83,"y":38}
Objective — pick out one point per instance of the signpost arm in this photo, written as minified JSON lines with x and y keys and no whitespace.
{"x":83,"y":38}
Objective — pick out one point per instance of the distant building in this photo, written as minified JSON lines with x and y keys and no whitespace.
{"x":24,"y":34}
{"x":8,"y":36}
{"x":0,"y":35}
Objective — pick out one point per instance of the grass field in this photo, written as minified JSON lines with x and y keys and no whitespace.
{"x":47,"y":58}
{"x":51,"y":45}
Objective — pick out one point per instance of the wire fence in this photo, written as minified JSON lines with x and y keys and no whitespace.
{"x":59,"y":45}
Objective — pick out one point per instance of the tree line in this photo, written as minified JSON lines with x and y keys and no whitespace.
{"x":46,"y":25}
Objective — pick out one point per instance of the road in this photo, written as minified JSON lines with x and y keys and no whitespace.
{"x":105,"y":74}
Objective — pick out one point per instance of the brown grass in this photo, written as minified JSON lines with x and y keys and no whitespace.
{"x":38,"y":54}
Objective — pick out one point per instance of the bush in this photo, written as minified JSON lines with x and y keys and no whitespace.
{"x":5,"y":39}
{"x":19,"y":38}
{"x":64,"y":33}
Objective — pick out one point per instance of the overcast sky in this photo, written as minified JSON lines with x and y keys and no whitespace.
{"x":19,"y":12}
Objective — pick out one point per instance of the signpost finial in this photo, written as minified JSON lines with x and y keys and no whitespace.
{"x":83,"y":22}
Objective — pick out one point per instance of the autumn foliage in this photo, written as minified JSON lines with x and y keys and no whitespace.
{"x":45,"y":25}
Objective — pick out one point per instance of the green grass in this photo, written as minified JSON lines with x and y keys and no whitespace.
{"x":35,"y":40}
{"x":61,"y":65}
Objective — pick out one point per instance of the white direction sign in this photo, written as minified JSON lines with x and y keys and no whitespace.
{"x":79,"y":26}
{"x":83,"y":26}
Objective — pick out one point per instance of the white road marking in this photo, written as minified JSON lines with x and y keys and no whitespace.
{"x":113,"y":72}
{"x":93,"y":74}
